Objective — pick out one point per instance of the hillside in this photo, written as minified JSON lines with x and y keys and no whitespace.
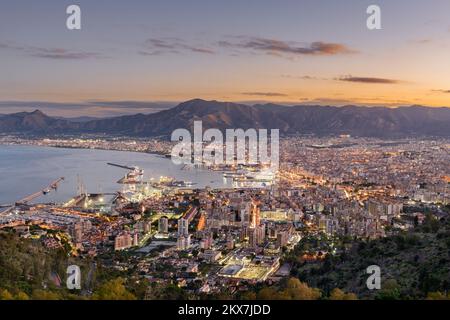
{"x":413,"y":264}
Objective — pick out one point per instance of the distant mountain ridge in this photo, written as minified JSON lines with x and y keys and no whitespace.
{"x":319,"y":120}
{"x":32,"y":122}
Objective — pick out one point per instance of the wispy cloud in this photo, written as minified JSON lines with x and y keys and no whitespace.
{"x":349,"y":78}
{"x":159,"y":46}
{"x":237,"y":45}
{"x":51,"y":53}
{"x":360,"y":101}
{"x":442,"y":91}
{"x":280,"y":47}
{"x":368,"y":80}
{"x":305,"y":77}
{"x":326,"y":101}
{"x":265,"y":94}
{"x":62,"y":54}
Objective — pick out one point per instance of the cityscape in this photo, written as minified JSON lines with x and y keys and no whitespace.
{"x":353,"y":202}
{"x":327,"y":194}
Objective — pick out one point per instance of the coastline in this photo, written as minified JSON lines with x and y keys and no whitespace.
{"x":157,"y":153}
{"x":30,"y":170}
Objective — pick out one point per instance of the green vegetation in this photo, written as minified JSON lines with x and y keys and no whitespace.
{"x":414,"y":264}
{"x":113,"y":290}
{"x":25,"y":265}
{"x":338,"y":294}
{"x":294,"y":289}
{"x":30,"y":271}
{"x":166,"y":292}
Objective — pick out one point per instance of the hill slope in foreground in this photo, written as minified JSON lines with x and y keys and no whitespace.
{"x":413,"y":264}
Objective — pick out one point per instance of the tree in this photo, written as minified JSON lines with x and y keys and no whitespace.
{"x":266,"y":294}
{"x":390,"y":291}
{"x":297,"y":290}
{"x":22,"y":296}
{"x":338,"y":294}
{"x":249,"y":295}
{"x":430,"y":223}
{"x":113,"y":290}
{"x":416,"y":221}
{"x":437,"y":296}
{"x":5,"y":295}
{"x":39,"y":294}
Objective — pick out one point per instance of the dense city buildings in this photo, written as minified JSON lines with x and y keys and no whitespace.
{"x":204,"y":239}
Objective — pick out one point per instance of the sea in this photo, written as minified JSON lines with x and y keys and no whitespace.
{"x":25,"y":170}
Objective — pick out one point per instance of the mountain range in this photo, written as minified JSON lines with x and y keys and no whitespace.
{"x":303,"y":119}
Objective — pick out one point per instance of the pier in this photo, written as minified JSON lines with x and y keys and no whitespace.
{"x":44,"y":191}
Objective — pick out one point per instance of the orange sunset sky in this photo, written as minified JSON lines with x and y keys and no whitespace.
{"x":144,"y":56}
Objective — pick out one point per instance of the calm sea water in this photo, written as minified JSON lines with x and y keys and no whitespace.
{"x":25,"y":170}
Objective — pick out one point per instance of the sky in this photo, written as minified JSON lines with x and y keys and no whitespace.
{"x":144,"y":55}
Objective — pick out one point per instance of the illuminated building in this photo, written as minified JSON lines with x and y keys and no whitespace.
{"x":184,"y":242}
{"x":230,"y":242}
{"x":163,"y":225}
{"x":212,"y":255}
{"x":123,"y":241}
{"x":282,"y":238}
{"x":257,"y":235}
{"x":255,"y":215}
{"x":206,"y":242}
{"x":183,"y":227}
{"x":135,"y":239}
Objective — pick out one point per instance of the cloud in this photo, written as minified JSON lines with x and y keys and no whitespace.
{"x":422,"y":41}
{"x":326,"y":101}
{"x":129,"y":104}
{"x":349,"y":78}
{"x":160,"y":46}
{"x":265,"y":94}
{"x":279,"y":47}
{"x":360,"y":101}
{"x":62,"y":54}
{"x":368,"y":80}
{"x":51,"y":53}
{"x":306,"y":77}
{"x":237,"y":44}
{"x":442,"y":91}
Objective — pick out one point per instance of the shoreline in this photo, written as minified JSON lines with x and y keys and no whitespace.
{"x":28,"y":149}
{"x":161,"y":154}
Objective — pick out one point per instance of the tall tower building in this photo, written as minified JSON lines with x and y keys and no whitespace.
{"x":163,"y":225}
{"x":184,"y":242}
{"x":183,"y":227}
{"x":255,"y":219}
